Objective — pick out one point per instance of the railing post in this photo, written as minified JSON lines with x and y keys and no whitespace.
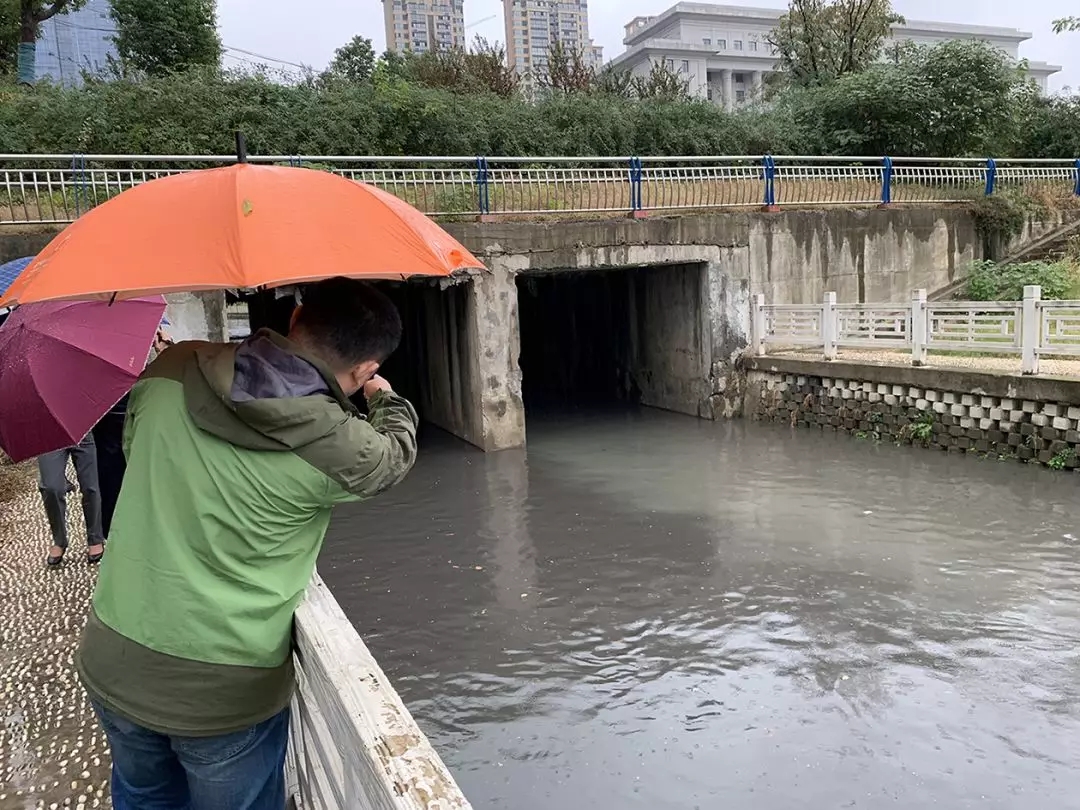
{"x":757,"y":325}
{"x":886,"y":180}
{"x":78,"y":177}
{"x":1030,"y":331}
{"x":829,"y":326}
{"x":1076,"y":188}
{"x":636,"y":205}
{"x":918,"y":328}
{"x":483,"y":194}
{"x":991,"y":176}
{"x":769,"y":166}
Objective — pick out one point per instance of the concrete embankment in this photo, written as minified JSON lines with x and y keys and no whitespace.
{"x":1007,"y":416}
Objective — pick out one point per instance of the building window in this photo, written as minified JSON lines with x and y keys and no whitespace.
{"x":670,"y":64}
{"x":706,"y":41}
{"x":685,"y":66}
{"x":738,"y":44}
{"x":721,"y":44}
{"x":753,"y":45}
{"x":740,"y":96}
{"x":708,"y":93}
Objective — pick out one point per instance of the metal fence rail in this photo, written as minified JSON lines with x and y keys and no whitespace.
{"x":1031,"y":328}
{"x":57,"y":189}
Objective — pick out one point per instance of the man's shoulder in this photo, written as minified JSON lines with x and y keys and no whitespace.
{"x":175,"y":360}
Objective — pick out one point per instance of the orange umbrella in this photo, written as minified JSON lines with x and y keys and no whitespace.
{"x":240,"y":227}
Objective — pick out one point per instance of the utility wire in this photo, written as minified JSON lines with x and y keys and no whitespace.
{"x":170,"y":30}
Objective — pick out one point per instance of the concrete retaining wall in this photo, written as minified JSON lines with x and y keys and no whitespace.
{"x":697,"y":320}
{"x":1032,"y":419}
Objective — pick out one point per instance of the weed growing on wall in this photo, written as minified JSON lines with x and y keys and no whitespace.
{"x":990,"y":281}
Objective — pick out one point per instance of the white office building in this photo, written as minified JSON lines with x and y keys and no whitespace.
{"x":723,"y":52}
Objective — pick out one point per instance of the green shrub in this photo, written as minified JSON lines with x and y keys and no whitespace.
{"x":993,"y":282}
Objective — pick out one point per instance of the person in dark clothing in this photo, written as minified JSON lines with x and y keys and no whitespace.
{"x":109,"y":438}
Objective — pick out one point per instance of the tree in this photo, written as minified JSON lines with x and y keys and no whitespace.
{"x":32,"y":13}
{"x":9,"y":35}
{"x":353,"y":62}
{"x":975,"y":93}
{"x":154,"y":37}
{"x":819,"y":40}
{"x":955,"y":99}
{"x":1067,"y":24}
{"x":481,"y":69}
{"x":662,"y":83}
{"x":567,"y":71}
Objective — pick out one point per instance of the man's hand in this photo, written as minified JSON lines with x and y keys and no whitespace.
{"x":162,"y":341}
{"x":375,"y":385}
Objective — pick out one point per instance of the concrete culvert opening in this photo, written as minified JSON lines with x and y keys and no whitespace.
{"x":433,"y":366}
{"x":622,"y":336}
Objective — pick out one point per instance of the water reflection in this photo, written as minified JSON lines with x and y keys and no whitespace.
{"x":648,"y":611}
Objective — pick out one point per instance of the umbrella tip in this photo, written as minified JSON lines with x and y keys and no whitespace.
{"x":241,"y":148}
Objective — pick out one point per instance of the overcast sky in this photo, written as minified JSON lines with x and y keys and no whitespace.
{"x":279,"y":29}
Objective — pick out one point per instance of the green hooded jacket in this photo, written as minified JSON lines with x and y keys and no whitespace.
{"x":236,"y":455}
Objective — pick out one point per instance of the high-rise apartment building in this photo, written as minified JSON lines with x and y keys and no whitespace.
{"x":424,"y":25}
{"x":532,"y":26}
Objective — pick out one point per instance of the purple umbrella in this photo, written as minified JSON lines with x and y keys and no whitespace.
{"x":63,"y":364}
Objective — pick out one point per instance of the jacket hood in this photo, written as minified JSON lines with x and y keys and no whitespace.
{"x":266,"y":393}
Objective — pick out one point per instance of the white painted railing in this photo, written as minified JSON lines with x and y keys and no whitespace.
{"x":1031,"y":328}
{"x":353,"y":745}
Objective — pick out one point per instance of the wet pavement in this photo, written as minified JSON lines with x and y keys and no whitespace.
{"x":648,"y":611}
{"x":52,"y":752}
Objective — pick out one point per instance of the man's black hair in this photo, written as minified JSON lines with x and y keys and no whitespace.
{"x":350,"y":320}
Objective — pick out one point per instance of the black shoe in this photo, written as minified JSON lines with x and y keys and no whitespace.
{"x":94,"y":559}
{"x":54,"y":562}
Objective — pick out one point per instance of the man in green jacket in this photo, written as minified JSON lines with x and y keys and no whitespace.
{"x":236,"y":455}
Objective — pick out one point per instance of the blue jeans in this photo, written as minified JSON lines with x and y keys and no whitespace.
{"x":241,"y":771}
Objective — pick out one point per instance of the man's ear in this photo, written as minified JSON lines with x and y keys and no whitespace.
{"x":362,"y":372}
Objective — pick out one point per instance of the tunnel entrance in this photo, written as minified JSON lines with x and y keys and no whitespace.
{"x":433,"y":367}
{"x":622,"y":336}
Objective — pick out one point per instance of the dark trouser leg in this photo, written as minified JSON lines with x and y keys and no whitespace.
{"x":52,"y":483}
{"x":108,"y":436}
{"x":85,"y":457}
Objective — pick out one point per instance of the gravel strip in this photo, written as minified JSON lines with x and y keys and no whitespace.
{"x":1048,"y":367}
{"x":52,"y":752}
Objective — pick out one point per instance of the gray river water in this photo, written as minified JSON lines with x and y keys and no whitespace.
{"x":650,"y":611}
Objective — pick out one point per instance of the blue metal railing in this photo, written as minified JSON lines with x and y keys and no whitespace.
{"x":59,"y":188}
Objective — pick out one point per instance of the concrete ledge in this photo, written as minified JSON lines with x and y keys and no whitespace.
{"x":985,"y":383}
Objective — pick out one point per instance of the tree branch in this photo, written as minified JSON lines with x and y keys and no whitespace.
{"x":50,"y":11}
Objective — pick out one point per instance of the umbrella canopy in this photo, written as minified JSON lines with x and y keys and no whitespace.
{"x":240,"y":227}
{"x":64,"y":364}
